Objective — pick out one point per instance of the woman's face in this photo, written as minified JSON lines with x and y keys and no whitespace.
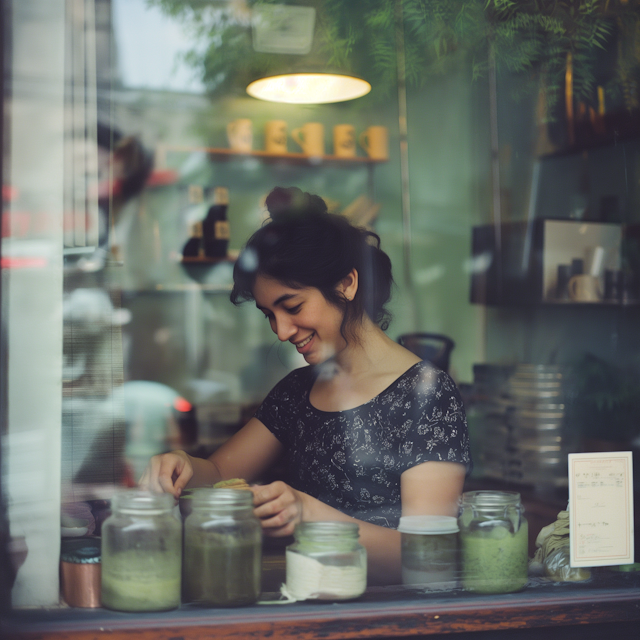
{"x":301,"y":316}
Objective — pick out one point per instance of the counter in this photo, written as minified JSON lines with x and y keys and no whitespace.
{"x":608,"y":605}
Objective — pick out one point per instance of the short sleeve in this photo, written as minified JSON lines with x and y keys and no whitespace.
{"x":278,"y":408}
{"x":435,"y":424}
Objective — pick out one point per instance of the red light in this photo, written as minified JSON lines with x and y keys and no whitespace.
{"x":161,"y":177}
{"x":22,"y":263}
{"x":180,"y":404}
{"x":9,"y":193}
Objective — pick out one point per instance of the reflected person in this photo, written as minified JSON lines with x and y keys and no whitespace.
{"x":367,"y":430}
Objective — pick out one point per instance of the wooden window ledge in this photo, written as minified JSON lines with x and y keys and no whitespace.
{"x":610,"y":601}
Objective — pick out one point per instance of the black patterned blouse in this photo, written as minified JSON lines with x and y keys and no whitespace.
{"x":352,"y":460}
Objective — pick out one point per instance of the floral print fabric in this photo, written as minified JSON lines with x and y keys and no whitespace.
{"x":352,"y":460}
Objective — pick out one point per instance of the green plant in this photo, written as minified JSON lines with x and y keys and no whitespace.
{"x":604,"y":399}
{"x":597,"y":41}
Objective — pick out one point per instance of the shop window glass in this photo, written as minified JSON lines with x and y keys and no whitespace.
{"x":497,"y":155}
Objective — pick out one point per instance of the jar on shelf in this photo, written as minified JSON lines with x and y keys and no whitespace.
{"x":493,"y":541}
{"x":326,"y":562}
{"x":80,"y":571}
{"x":222,"y":549}
{"x":141,"y":553}
{"x":429,"y":551}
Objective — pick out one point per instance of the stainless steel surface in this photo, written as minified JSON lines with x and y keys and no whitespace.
{"x":521,"y":415}
{"x":80,"y":584}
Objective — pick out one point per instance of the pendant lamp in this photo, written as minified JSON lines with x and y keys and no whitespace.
{"x":287,"y":29}
{"x":309,"y":87}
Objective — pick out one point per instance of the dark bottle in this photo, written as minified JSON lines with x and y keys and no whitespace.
{"x":215,"y":227}
{"x":193,"y":247}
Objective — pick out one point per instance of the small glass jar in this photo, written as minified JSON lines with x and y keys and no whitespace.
{"x":429,"y":550}
{"x":80,"y":571}
{"x":222,"y":549}
{"x":493,"y":541}
{"x":141,"y":553}
{"x":326,"y":562}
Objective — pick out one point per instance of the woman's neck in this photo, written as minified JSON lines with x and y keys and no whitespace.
{"x":369,"y":352}
{"x":360,"y":372}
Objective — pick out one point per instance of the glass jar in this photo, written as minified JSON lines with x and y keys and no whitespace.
{"x":493,"y":541}
{"x":429,"y":550}
{"x":80,"y":571}
{"x":141,"y":553}
{"x":222,"y":549}
{"x":326,"y":562}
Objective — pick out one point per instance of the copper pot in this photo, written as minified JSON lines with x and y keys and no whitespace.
{"x":80,"y":572}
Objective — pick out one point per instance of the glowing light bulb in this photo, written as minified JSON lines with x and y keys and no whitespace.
{"x":308,"y":88}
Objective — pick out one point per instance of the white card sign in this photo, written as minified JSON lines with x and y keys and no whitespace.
{"x":601,"y":508}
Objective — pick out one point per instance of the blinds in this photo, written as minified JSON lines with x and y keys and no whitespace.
{"x":81,"y":219}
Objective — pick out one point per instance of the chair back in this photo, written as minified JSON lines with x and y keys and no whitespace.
{"x":434,"y":347}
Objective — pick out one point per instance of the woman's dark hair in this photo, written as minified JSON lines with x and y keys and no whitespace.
{"x":303,"y":245}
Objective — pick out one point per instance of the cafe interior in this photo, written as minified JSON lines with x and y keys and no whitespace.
{"x":492,"y":145}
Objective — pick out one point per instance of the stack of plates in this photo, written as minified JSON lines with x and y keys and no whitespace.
{"x":488,"y":419}
{"x":523,"y":422}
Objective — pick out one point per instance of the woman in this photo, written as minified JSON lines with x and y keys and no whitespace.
{"x":368,"y":431}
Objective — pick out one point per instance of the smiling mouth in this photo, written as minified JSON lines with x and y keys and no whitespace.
{"x":305,"y":342}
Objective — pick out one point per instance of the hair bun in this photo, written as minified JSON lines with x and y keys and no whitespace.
{"x":284,"y":202}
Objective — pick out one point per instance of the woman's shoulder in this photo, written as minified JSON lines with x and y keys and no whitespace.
{"x":420,"y":370}
{"x":298,"y":379}
{"x":286,"y":396}
{"x":424,"y":378}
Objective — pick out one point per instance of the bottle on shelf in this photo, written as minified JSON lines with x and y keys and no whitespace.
{"x":215,"y":226}
{"x":194,"y":247}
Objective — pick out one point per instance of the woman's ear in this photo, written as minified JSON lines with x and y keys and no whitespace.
{"x":349,"y":285}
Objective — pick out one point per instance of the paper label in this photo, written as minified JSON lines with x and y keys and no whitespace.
{"x":222,"y":230}
{"x":601,"y":508}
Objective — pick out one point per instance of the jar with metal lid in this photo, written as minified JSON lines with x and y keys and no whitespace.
{"x":80,"y":571}
{"x":493,"y":541}
{"x":429,"y":551}
{"x":326,"y":562}
{"x":141,"y":553}
{"x":222,"y":549}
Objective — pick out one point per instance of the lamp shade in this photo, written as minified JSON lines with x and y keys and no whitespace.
{"x":309,"y":88}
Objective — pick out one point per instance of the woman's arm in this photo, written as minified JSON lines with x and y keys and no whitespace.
{"x":430,"y":488}
{"x":247,"y":454}
{"x":280,"y":507}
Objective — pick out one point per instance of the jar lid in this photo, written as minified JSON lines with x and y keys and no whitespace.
{"x":493,"y":499}
{"x":328,"y":528}
{"x":142,"y":502}
{"x":80,"y":551}
{"x":428,"y":525}
{"x":206,"y":497}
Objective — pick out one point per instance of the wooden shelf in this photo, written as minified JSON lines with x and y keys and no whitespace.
{"x":207,"y":261}
{"x":568,"y":304}
{"x":291,"y":158}
{"x":198,"y":269}
{"x":521,"y":271}
{"x":610,"y":601}
{"x":195,"y":286}
{"x":595,"y":303}
{"x":157,"y":178}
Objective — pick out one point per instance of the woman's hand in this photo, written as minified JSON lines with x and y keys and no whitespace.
{"x":279,"y":507}
{"x":167,"y":473}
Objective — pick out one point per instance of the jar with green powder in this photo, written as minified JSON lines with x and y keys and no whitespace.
{"x":141,"y":553}
{"x":493,"y":541}
{"x":222,"y":549}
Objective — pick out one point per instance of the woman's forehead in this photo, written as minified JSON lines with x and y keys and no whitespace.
{"x":269,"y":291}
